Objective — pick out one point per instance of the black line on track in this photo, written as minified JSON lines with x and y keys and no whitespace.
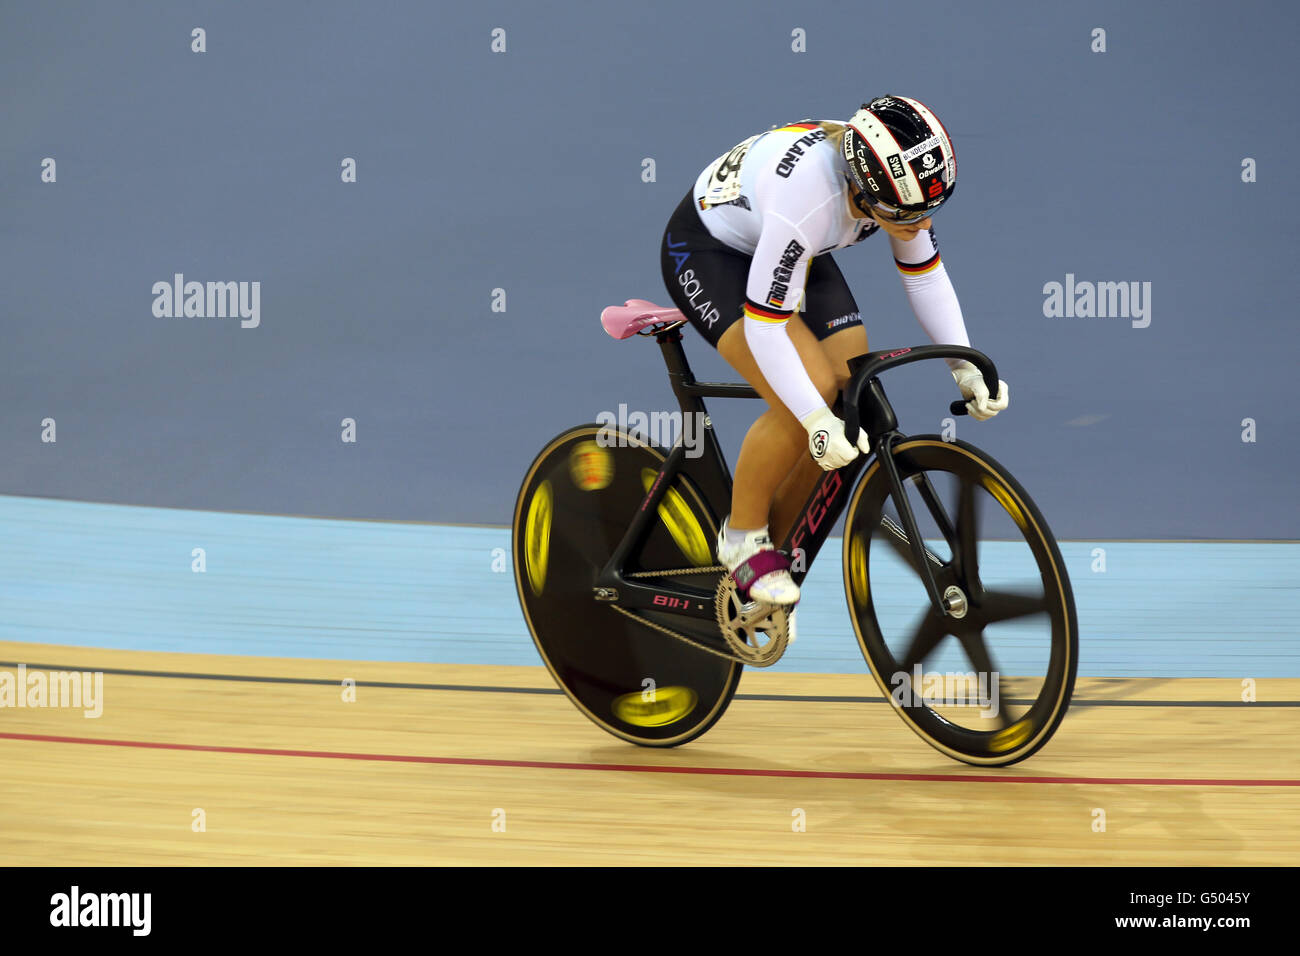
{"x":320,"y":681}
{"x":491,"y":689}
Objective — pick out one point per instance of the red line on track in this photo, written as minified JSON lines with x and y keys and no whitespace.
{"x":647,"y":768}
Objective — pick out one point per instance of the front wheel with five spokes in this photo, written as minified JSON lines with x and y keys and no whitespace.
{"x":989,"y":681}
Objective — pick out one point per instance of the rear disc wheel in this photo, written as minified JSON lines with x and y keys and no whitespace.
{"x":574,"y":507}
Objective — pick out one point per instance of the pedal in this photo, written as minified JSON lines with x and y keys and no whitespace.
{"x":756,"y":632}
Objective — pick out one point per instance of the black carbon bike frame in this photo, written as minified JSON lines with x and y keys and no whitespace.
{"x":865,"y":407}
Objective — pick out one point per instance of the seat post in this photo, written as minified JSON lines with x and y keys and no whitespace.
{"x":679,"y":370}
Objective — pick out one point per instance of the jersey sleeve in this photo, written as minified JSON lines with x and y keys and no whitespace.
{"x":773,"y":293}
{"x":929,"y":290}
{"x":779,"y":266}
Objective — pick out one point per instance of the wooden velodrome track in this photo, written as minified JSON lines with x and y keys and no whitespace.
{"x":428,"y":757}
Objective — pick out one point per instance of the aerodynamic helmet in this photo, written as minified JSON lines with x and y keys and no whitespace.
{"x":900,"y":158}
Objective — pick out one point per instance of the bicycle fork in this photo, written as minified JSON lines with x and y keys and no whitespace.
{"x":881,"y":427}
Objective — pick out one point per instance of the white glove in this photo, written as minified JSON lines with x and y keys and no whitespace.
{"x":826,"y":440}
{"x":972,"y":386}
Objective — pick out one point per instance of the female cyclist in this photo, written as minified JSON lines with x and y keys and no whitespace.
{"x":746,"y":258}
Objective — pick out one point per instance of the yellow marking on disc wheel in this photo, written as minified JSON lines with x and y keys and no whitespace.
{"x":681,"y":523}
{"x":1009,"y":738}
{"x":668,"y":705}
{"x":590,"y":466}
{"x":858,"y":571}
{"x":537,"y":536}
{"x":1003,"y":494}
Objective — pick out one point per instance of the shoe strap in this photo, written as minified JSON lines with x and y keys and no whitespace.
{"x":751,"y":569}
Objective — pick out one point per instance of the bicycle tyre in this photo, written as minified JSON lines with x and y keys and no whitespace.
{"x":1028,"y":734}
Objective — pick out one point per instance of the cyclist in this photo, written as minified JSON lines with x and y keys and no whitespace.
{"x":746,"y":258}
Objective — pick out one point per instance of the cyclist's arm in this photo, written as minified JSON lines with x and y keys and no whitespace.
{"x":776,"y":282}
{"x":929,"y":290}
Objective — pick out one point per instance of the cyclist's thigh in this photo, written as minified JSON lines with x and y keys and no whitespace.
{"x":735,"y":349}
{"x":705,"y":278}
{"x":831,"y":313}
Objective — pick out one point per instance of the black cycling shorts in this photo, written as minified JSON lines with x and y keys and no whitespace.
{"x":708,"y":282}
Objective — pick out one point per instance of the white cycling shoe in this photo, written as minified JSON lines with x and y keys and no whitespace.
{"x":773,"y":587}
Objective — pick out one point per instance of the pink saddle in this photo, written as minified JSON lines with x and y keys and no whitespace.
{"x":624,"y":321}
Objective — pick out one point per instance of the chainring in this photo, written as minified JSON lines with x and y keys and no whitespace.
{"x":757,"y":633}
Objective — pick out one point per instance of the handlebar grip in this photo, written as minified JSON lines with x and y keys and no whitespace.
{"x":958,"y":408}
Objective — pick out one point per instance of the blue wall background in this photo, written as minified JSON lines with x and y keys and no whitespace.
{"x":522,"y":171}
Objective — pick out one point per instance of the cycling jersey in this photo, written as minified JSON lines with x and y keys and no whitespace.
{"x":781,"y":197}
{"x":755,"y":244}
{"x":707,"y":280}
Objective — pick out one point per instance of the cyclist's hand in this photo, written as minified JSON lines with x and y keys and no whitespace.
{"x":973,"y":389}
{"x":826,"y":440}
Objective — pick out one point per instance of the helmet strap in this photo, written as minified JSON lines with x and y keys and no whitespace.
{"x":858,"y":196}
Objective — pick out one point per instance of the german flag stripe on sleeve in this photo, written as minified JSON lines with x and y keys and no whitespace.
{"x":763,"y":314}
{"x":919,"y":268}
{"x":794,"y":126}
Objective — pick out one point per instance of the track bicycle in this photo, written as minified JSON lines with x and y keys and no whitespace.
{"x":614,"y":556}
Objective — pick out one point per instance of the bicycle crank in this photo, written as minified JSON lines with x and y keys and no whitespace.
{"x":756,"y":632}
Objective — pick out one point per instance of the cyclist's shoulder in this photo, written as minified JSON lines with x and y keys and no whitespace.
{"x":799,"y":166}
{"x":791,"y":170}
{"x":803,"y":136}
